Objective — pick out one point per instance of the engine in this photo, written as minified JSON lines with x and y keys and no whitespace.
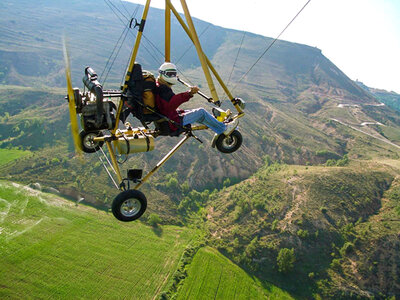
{"x":96,"y":112}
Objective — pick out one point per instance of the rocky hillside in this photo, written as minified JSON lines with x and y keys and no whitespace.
{"x":341,"y":224}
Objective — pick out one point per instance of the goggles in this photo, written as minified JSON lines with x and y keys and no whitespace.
{"x":168,"y":73}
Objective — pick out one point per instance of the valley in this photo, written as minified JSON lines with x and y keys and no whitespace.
{"x":307,"y":208}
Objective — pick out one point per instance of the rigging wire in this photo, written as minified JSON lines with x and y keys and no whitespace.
{"x":108,"y":161}
{"x":112,"y":53}
{"x":270,"y":45}
{"x":191,"y":45}
{"x":123,"y":5}
{"x":115,"y":57}
{"x":156,"y":50}
{"x":126,"y":28}
{"x":109,"y":3}
{"x":129,"y":19}
{"x":152,"y":45}
{"x":105,"y":166}
{"x":237,"y":55}
{"x":115,"y":10}
{"x":129,"y":58}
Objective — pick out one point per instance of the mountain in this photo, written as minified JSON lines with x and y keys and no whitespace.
{"x":391,"y":99}
{"x":317,"y":172}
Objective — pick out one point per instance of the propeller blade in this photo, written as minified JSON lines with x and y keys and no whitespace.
{"x":71,"y":102}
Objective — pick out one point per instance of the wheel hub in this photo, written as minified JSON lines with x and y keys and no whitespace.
{"x":88,"y":141}
{"x":229,"y":142}
{"x":130,"y":207}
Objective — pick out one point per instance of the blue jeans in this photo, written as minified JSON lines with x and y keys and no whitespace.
{"x":200,"y":115}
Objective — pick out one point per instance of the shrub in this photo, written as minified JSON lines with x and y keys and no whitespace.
{"x":172,"y":183}
{"x":343,"y":162}
{"x":347,"y":248}
{"x":285,"y":260}
{"x":227,"y":182}
{"x":326,"y":154}
{"x":154,"y":220}
{"x":237,"y":213}
{"x":274,"y":225}
{"x":330,"y":163}
{"x":335,"y":264}
{"x":267,"y":160}
{"x":185,"y":187}
{"x":302,"y":233}
{"x":251,"y":249}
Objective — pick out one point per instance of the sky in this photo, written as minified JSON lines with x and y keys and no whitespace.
{"x":361,"y":37}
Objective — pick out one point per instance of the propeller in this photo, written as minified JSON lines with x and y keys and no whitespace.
{"x":71,"y":102}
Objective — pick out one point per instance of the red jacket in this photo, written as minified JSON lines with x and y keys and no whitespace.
{"x":167,"y":103}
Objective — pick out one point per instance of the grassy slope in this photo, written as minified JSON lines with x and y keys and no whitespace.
{"x":213,"y":276}
{"x":9,"y":155}
{"x":50,"y":248}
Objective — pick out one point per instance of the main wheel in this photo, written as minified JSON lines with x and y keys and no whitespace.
{"x":87,"y":143}
{"x":129,"y":205}
{"x":230,"y":143}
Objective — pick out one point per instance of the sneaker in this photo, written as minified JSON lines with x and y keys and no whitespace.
{"x":231,"y":126}
{"x":228,"y":115}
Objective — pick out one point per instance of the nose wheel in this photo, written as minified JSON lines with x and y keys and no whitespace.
{"x":230,"y":143}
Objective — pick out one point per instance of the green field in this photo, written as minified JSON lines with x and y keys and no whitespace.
{"x":8,"y":155}
{"x":212,"y":276}
{"x":51,"y":248}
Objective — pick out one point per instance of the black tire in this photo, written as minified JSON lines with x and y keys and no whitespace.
{"x":87,"y":145}
{"x":129,"y":205}
{"x":229,"y":144}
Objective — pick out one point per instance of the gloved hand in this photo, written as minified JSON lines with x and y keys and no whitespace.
{"x":194,"y":90}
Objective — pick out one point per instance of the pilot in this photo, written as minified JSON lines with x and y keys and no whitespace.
{"x":168,"y":104}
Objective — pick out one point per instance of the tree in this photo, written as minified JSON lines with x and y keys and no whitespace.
{"x":285,"y":260}
{"x":251,"y":249}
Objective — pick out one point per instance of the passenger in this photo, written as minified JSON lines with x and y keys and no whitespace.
{"x":168,"y":104}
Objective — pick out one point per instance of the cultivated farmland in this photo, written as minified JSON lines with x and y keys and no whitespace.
{"x":8,"y":155}
{"x":213,"y":276}
{"x":51,"y":248}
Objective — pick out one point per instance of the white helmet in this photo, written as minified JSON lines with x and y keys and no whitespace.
{"x":168,"y":72}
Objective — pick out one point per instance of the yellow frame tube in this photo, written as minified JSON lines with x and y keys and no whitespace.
{"x":114,"y":161}
{"x":137,"y":43}
{"x":200,"y":53}
{"x":132,"y":60}
{"x":167,"y":32}
{"x":219,"y":79}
